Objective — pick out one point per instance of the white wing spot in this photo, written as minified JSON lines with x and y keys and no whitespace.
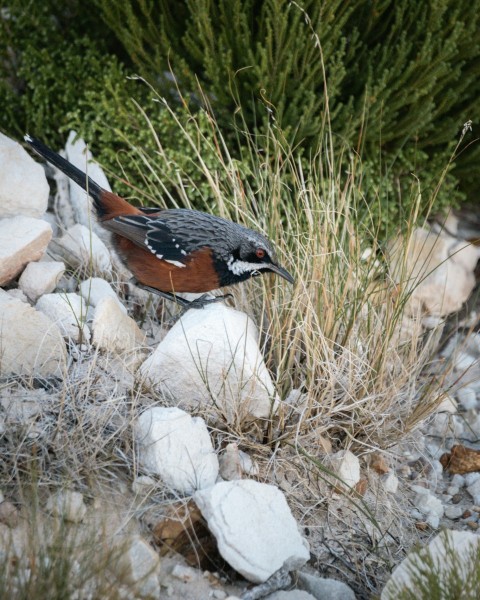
{"x":183,"y":252}
{"x":177,"y":246}
{"x":176,"y":263}
{"x":159,"y":255}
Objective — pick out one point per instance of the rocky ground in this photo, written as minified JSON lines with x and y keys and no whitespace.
{"x":124,"y":418}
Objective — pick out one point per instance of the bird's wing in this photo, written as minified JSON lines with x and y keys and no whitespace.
{"x":150,"y":233}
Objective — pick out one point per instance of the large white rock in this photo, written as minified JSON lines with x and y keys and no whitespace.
{"x":445,"y":546}
{"x":176,"y":447}
{"x":69,"y":312}
{"x":22,"y":240}
{"x":82,"y":158}
{"x":437,"y":269}
{"x":95,"y":289}
{"x":254,"y":528}
{"x":24,"y":188}
{"x":40,"y":278}
{"x":211,"y":357}
{"x":113,"y":330}
{"x":81,"y":247}
{"x":30,"y":344}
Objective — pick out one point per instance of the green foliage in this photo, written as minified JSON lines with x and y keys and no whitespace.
{"x":402,"y":77}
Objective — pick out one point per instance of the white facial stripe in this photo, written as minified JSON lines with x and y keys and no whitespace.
{"x":238,"y":267}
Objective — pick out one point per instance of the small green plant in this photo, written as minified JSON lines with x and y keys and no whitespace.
{"x":452,"y":574}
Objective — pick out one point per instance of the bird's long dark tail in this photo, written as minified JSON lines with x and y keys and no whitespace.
{"x":107,"y":205}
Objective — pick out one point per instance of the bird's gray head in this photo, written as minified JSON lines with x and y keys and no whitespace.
{"x":253,"y":256}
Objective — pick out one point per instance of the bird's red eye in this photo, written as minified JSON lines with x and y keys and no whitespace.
{"x":260,"y":252}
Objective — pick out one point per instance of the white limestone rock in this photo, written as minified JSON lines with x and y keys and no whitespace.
{"x":220,"y":365}
{"x":176,"y":447}
{"x":254,"y":528}
{"x":346,"y":467}
{"x":24,"y":188}
{"x":429,"y":505}
{"x":81,"y":247}
{"x":113,"y":330}
{"x":40,"y":278}
{"x":389,"y":482}
{"x":77,"y":153}
{"x":69,"y":312}
{"x":462,"y":543}
{"x":234,"y":463}
{"x":22,"y":240}
{"x":137,"y":565}
{"x":68,"y":505}
{"x":474,"y":491}
{"x":95,"y":289}
{"x":438,"y":270}
{"x":30,"y":344}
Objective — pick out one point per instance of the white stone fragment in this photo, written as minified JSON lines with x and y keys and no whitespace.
{"x":113,"y":330}
{"x":455,"y":511}
{"x":137,"y":565}
{"x":471,"y":478}
{"x":40,"y":278}
{"x":254,"y":528}
{"x":291,"y":595}
{"x":234,"y":463}
{"x":68,"y":311}
{"x":22,"y":240}
{"x":68,"y":505}
{"x":176,"y":447}
{"x":221,"y":365}
{"x":30,"y":344}
{"x":81,"y":158}
{"x":24,"y":188}
{"x":428,"y":504}
{"x":458,"y":480}
{"x":390,"y":482}
{"x":346,"y":466}
{"x":467,"y":397}
{"x":474,"y":491}
{"x":81,"y":247}
{"x":95,"y":289}
{"x":405,"y":576}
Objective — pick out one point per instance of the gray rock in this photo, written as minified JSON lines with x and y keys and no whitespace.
{"x":291,"y":595}
{"x":325,"y":588}
{"x":40,"y":278}
{"x":137,"y":566}
{"x":68,"y":505}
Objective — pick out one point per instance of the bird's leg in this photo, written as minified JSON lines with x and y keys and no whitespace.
{"x":200,"y":302}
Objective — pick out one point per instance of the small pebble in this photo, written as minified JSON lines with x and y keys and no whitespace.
{"x":471,"y":478}
{"x":456,"y":498}
{"x":453,"y":490}
{"x":467,"y":398}
{"x":473,"y":525}
{"x":458,"y":480}
{"x":453,"y":512}
{"x":466,"y":514}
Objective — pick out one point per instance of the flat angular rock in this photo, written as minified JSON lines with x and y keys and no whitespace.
{"x":30,"y":343}
{"x":81,"y":247}
{"x":254,"y":528}
{"x":460,"y":544}
{"x":95,"y":289}
{"x":22,"y":240}
{"x":176,"y":447}
{"x":69,"y":312}
{"x":113,"y":330}
{"x":24,"y":188}
{"x":221,"y":365}
{"x":40,"y":278}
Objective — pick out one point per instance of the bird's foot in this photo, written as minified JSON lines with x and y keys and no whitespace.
{"x":200,"y":302}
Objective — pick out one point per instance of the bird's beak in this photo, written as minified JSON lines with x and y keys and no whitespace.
{"x":282,"y":272}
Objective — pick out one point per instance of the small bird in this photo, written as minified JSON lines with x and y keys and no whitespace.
{"x":174,"y":250}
